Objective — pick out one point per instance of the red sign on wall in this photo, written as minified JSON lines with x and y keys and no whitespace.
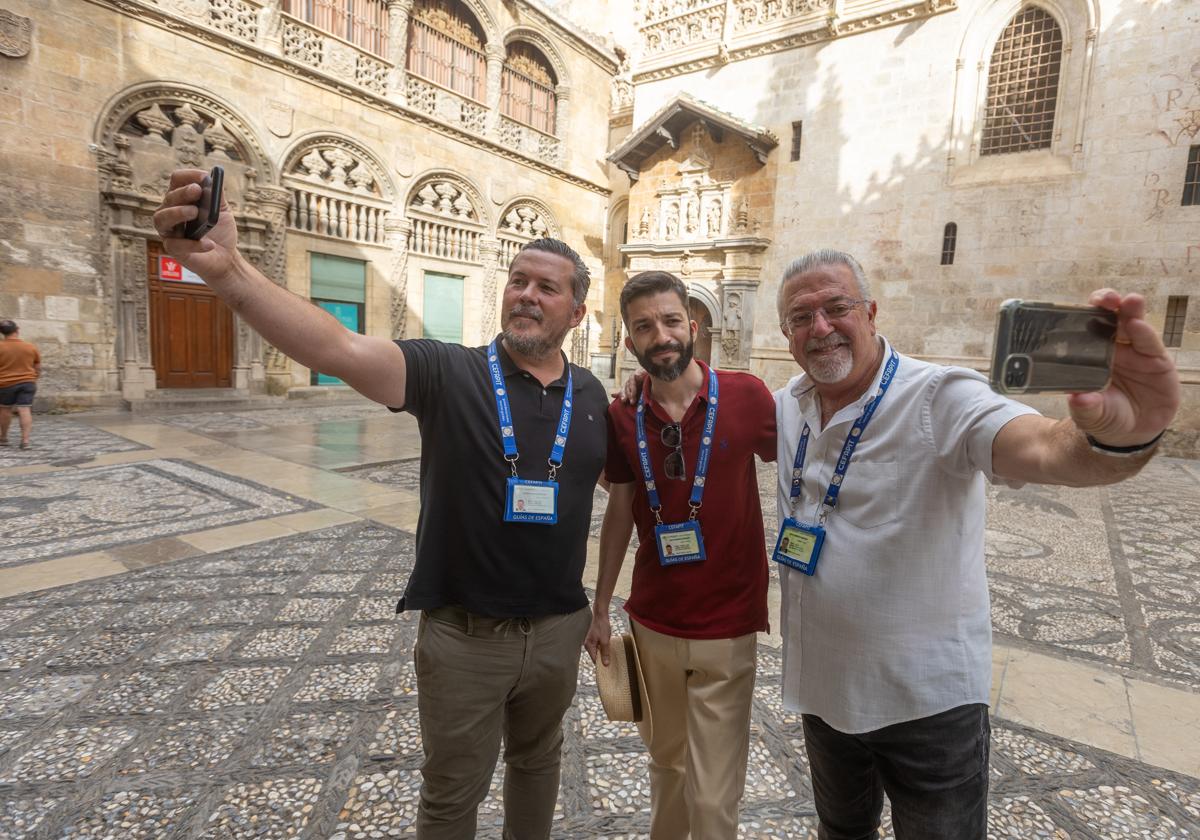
{"x":169,"y":269}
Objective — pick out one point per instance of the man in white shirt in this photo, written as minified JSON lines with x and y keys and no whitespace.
{"x":882,"y":460}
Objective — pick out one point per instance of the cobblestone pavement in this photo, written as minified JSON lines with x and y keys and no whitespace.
{"x":1109,"y":574}
{"x":71,"y":511}
{"x":60,"y":441}
{"x":213,"y":422}
{"x":268,"y":691}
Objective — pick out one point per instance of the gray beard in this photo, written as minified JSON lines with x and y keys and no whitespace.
{"x":531,"y":346}
{"x":833,"y":369}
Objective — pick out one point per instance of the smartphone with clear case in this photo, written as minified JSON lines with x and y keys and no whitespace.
{"x":208,"y":207}
{"x":1051,"y":348}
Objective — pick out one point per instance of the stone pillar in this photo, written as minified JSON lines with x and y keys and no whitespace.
{"x":125,"y":274}
{"x":397,"y":230}
{"x":270,"y":27}
{"x":489,"y":252}
{"x":562,"y":117}
{"x":736,"y":330}
{"x":495,"y":63}
{"x":256,"y":366}
{"x":398,"y":12}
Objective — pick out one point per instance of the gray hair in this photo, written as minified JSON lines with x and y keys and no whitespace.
{"x":818,"y":259}
{"x":581,"y":278}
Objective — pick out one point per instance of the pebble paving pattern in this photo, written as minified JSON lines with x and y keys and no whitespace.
{"x":71,"y":511}
{"x":61,"y":442}
{"x":267,"y":692}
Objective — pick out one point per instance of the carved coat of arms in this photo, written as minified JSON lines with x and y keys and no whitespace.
{"x":16,"y":34}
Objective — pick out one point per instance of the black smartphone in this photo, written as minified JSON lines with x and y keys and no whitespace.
{"x":209,"y":205}
{"x":1048,"y":348}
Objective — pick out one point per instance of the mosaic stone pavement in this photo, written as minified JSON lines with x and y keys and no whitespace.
{"x":1109,"y":574}
{"x":268,"y":691}
{"x":71,"y":511}
{"x":212,"y":422}
{"x":62,"y":442}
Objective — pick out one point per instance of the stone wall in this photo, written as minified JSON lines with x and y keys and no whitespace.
{"x":890,"y":156}
{"x":84,"y":154}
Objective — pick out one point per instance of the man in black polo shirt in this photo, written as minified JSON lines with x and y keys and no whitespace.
{"x":513,"y":441}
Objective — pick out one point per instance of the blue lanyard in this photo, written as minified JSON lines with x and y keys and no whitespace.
{"x":852,"y":439}
{"x":504,"y":412}
{"x":702,"y":460}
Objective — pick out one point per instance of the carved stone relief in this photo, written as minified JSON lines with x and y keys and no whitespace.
{"x":446,"y":199}
{"x":279,"y":119}
{"x":16,"y":34}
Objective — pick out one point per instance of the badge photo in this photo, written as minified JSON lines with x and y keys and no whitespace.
{"x":799,"y":546}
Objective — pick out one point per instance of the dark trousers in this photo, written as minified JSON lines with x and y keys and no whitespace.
{"x":934,"y":770}
{"x":480,"y":679}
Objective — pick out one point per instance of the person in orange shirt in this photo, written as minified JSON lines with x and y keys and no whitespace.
{"x":20,"y":366}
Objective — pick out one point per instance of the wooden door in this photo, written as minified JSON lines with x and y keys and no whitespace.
{"x":191,"y":332}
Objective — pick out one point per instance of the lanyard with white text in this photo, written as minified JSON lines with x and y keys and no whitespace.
{"x":507,"y":433}
{"x":710,"y":422}
{"x":852,"y":439}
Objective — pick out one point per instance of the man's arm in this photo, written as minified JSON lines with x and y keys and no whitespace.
{"x":614,"y":542}
{"x":371,"y":365}
{"x":1137,"y":405}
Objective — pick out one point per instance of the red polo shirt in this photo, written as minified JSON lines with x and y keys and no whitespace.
{"x":724,"y":595}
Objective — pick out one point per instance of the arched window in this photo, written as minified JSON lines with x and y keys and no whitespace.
{"x":445,"y":46}
{"x":1022,"y":84}
{"x":527,"y":87}
{"x":949,"y":242}
{"x":445,"y":218}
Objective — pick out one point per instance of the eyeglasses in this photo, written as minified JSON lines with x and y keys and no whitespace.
{"x":672,"y":436}
{"x":833,"y":311}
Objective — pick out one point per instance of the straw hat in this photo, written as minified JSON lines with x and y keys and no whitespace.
{"x":621,"y":684}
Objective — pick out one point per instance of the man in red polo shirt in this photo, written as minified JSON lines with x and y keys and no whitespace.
{"x":681,"y":466}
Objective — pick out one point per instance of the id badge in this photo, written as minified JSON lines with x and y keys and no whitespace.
{"x":799,"y":545}
{"x":531,"y":501}
{"x":680,"y":542}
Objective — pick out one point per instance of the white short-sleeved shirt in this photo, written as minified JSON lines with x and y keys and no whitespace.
{"x":894,"y":625}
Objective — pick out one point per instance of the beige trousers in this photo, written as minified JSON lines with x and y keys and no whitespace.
{"x":698,"y":731}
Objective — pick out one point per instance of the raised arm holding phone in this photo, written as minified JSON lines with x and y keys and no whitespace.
{"x":512,"y":442}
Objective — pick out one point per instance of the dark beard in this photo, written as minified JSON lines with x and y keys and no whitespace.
{"x":670,"y":372}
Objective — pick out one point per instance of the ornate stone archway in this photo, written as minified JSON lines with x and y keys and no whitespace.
{"x":145,"y":133}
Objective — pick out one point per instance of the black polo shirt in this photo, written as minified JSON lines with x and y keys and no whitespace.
{"x":467,"y":554}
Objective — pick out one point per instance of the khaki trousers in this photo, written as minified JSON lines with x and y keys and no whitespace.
{"x":478,"y":679}
{"x":698,"y":731}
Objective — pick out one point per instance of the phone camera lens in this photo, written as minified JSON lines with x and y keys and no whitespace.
{"x":1016,"y":372}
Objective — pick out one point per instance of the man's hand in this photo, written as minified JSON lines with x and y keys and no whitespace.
{"x":213,"y":256}
{"x":598,"y":636}
{"x":632,"y":387}
{"x":1141,"y":399}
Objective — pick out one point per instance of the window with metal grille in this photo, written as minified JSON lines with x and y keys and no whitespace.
{"x":949,"y":240}
{"x":1176,"y":315}
{"x":1023,"y":85}
{"x":445,"y":46}
{"x":527,"y":88}
{"x":797,"y":133}
{"x":1191,"y":178}
{"x":361,"y":22}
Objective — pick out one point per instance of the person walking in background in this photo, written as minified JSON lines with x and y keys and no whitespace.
{"x":20,"y":366}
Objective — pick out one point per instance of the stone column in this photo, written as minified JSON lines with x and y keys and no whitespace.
{"x":562,"y":116}
{"x":489,"y":252}
{"x":250,"y":372}
{"x":495,"y":63}
{"x":270,"y":27}
{"x":397,"y":230}
{"x":125,"y":265}
{"x":739,"y":291}
{"x":398,"y":12}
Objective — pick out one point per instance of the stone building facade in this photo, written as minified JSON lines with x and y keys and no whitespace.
{"x":966,"y":152}
{"x":385,"y":158}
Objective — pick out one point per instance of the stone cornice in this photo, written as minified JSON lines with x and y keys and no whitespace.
{"x":218,"y":40}
{"x":695,"y":248}
{"x":715,"y":56}
{"x":601,"y":55}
